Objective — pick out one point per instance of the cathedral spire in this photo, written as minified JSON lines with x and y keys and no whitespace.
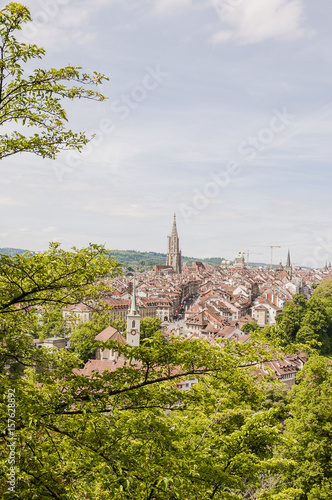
{"x":174,"y":228}
{"x":288,"y":266}
{"x":174,"y":254}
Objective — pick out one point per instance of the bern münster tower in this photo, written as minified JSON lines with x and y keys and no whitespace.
{"x":174,"y":254}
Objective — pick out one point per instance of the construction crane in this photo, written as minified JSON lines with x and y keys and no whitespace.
{"x":271,"y":247}
{"x":252,"y":253}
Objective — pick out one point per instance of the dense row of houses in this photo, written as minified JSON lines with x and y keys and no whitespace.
{"x":222,"y":293}
{"x":212,"y":303}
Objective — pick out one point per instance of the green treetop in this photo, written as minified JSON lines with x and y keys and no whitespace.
{"x":35,"y":100}
{"x":308,"y":432}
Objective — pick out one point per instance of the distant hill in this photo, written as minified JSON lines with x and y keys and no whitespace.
{"x":13,"y":251}
{"x":132,"y":258}
{"x":139,"y":261}
{"x":147,"y":260}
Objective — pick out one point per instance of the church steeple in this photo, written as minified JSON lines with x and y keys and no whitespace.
{"x":133,"y":322}
{"x":174,"y":254}
{"x":288,"y":266}
{"x":133,"y":308}
{"x":174,"y":228}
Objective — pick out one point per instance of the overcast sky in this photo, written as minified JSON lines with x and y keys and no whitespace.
{"x":218,"y":110}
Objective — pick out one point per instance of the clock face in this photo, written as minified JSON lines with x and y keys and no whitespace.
{"x":133,"y":331}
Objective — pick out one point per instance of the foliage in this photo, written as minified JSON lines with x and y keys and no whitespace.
{"x":82,"y":337}
{"x":52,"y":278}
{"x":251,"y":326}
{"x":276,"y":395}
{"x":130,"y":433}
{"x":291,"y":316}
{"x":304,"y":321}
{"x":103,"y":318}
{"x":34,"y":99}
{"x":324,"y":290}
{"x":52,"y":324}
{"x":149,"y":327}
{"x":82,"y":340}
{"x":316,"y":325}
{"x":133,"y":434}
{"x":309,"y":431}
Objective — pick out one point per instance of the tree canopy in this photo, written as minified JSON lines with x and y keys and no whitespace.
{"x":309,"y":431}
{"x":304,"y":321}
{"x":33,"y":100}
{"x":82,"y":337}
{"x":149,"y":327}
{"x":185,"y":420}
{"x":133,"y":432}
{"x":324,"y":290}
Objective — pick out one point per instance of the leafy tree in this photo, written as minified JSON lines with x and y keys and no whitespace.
{"x":54,"y":277}
{"x":34,"y":100}
{"x":249,"y":327}
{"x":82,"y":337}
{"x":276,"y":395}
{"x":131,"y":433}
{"x":316,"y":325}
{"x":103,"y":318}
{"x":277,"y":333}
{"x":324,"y":290}
{"x":149,"y":327}
{"x":304,"y":321}
{"x":52,"y":324}
{"x":309,"y":431}
{"x":82,"y":340}
{"x":291,"y":317}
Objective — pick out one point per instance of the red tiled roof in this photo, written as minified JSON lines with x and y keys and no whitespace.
{"x":81,"y":307}
{"x":100,"y":366}
{"x":110,"y":333}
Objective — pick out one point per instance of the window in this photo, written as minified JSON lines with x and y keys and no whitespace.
{"x":133,"y":324}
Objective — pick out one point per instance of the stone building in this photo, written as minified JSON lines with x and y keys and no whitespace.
{"x":173,"y":258}
{"x":77,"y":313}
{"x":239,"y":261}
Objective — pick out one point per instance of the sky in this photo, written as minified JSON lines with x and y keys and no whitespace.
{"x":218,"y":110}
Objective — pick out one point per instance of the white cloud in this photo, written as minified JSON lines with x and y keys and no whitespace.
{"x":253,"y":21}
{"x":164,"y":7}
{"x":52,"y":20}
{"x":9,"y":202}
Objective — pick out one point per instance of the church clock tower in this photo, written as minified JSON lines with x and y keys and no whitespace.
{"x":133,"y":322}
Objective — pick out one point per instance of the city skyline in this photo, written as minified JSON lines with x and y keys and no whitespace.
{"x":218,"y":111}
